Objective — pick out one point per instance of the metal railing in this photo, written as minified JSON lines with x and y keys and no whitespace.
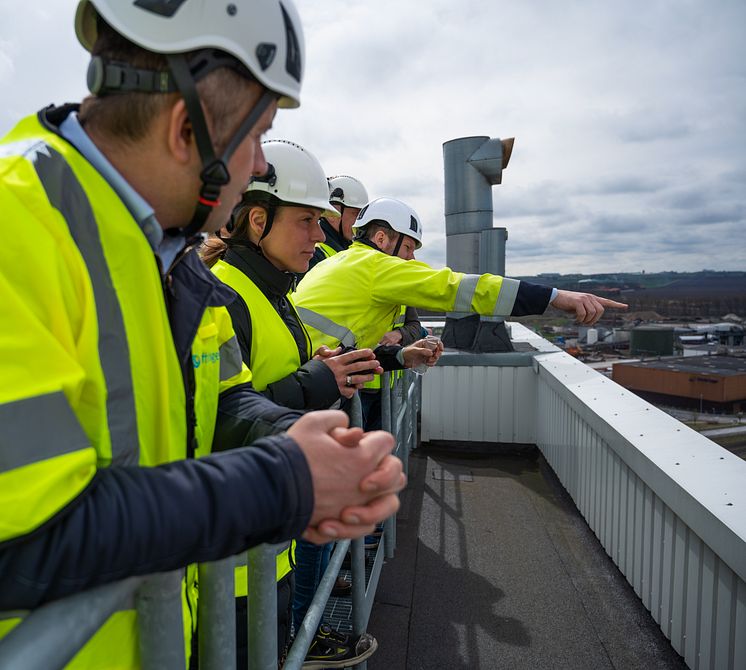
{"x":50,"y":636}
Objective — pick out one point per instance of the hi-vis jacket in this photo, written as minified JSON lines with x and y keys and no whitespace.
{"x":353,"y":297}
{"x":106,"y":365}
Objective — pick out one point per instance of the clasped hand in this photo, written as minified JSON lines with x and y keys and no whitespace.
{"x":355,"y":477}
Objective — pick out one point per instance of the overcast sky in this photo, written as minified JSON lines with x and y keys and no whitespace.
{"x":629,"y":118}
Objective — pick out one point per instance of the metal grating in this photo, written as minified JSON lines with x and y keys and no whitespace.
{"x":338,"y":611}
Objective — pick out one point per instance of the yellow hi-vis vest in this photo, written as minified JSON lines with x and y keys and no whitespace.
{"x":352,"y":297}
{"x":87,"y":348}
{"x":375,"y":383}
{"x":274,"y":355}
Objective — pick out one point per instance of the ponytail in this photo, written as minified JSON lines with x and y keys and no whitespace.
{"x":212,"y":250}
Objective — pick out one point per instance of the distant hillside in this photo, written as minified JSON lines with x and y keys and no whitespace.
{"x":708,"y":293}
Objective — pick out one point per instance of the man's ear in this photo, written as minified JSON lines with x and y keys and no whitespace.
{"x":380,"y":239}
{"x":180,"y":136}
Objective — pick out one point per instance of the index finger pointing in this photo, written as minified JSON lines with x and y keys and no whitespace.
{"x":611,"y":303}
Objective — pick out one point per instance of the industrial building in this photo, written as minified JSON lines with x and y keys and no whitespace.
{"x":705,"y":382}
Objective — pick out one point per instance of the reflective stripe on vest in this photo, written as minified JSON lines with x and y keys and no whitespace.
{"x":465,"y":294}
{"x":36,"y":429}
{"x":67,"y":196}
{"x":318,"y":321}
{"x":230,"y":359}
{"x":506,"y":298}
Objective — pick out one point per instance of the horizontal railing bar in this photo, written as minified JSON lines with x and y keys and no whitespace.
{"x":52,"y":634}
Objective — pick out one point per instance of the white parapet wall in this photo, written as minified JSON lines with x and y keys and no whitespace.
{"x":667,"y":504}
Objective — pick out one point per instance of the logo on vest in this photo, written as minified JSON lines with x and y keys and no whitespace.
{"x":212,"y":357}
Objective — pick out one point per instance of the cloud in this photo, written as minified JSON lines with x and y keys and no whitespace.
{"x":629,"y":119}
{"x":6,"y":62}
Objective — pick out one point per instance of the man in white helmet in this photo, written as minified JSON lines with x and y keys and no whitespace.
{"x":380,"y":265}
{"x":116,"y":341}
{"x":348,"y":196}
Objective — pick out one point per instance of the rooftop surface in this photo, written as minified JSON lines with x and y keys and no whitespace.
{"x":495,"y":568}
{"x":720,"y":365}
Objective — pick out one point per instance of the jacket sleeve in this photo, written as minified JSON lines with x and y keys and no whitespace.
{"x":396,"y":281}
{"x":386,"y":356}
{"x":411,"y":331}
{"x":137,"y":520}
{"x":312,"y":386}
{"x":245,"y":415}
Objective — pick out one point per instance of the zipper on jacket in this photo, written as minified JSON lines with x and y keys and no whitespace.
{"x":187,"y":371}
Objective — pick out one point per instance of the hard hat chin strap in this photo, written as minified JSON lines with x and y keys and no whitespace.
{"x":341,"y":214}
{"x":214,"y":173}
{"x":271,"y":210}
{"x":397,"y":246}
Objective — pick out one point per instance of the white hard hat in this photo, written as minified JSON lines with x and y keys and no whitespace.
{"x":295,"y":177}
{"x":400,"y":217}
{"x":263,"y":35}
{"x":348,"y":191}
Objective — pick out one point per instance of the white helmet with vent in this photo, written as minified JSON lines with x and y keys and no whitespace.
{"x":265,"y":36}
{"x":295,"y":177}
{"x":261,"y":39}
{"x":399,"y":216}
{"x":347,"y":191}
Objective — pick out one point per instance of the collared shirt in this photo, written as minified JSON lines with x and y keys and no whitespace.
{"x":166,"y":246}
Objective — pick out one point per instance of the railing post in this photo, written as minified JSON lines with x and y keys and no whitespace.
{"x":386,"y":402}
{"x":160,"y":623}
{"x":262,"y":609}
{"x":217,"y":615}
{"x":358,"y":546}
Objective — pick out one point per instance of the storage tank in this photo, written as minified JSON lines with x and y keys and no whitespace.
{"x":592,"y":336}
{"x":651,"y":341}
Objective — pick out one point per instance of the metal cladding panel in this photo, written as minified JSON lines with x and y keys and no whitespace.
{"x":739,"y":648}
{"x":639,"y":529}
{"x":705,"y":636}
{"x":695,"y":596}
{"x":647,"y":549}
{"x":693,"y":608}
{"x":479,"y":404}
{"x":724,"y":621}
{"x":628,"y":539}
{"x":667,"y":562}
{"x":679,"y":586}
